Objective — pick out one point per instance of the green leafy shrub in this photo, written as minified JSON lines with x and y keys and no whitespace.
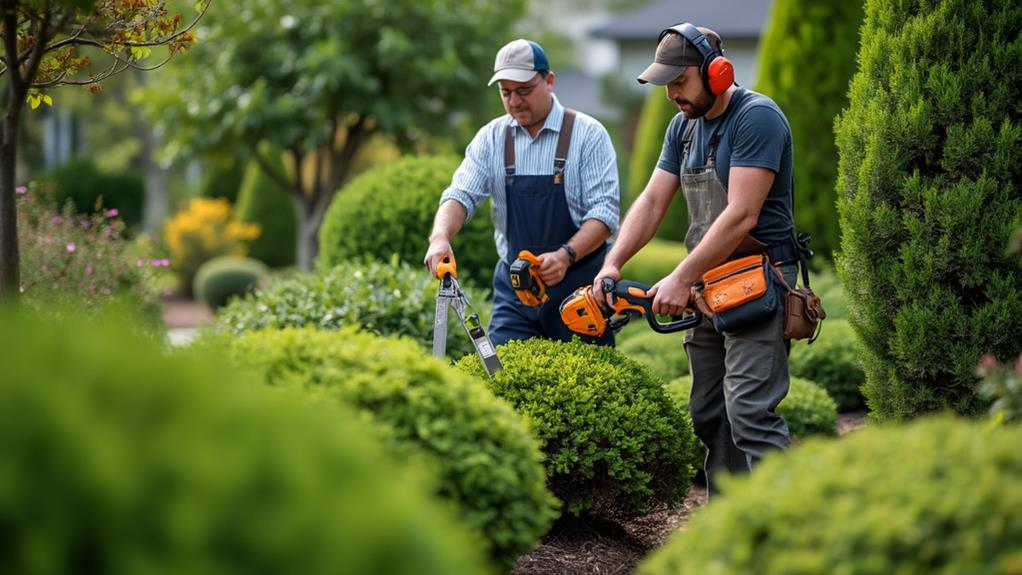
{"x":224,"y":277}
{"x":655,"y":261}
{"x":806,"y":58}
{"x":383,"y":298}
{"x":615,"y":444}
{"x":1002,"y":384}
{"x":807,"y":409}
{"x":930,"y":192}
{"x":487,"y":459}
{"x":80,"y":181}
{"x":223,"y":180}
{"x":389,"y":210}
{"x":129,"y":460}
{"x":657,"y":113}
{"x":262,"y":201}
{"x":939,"y":496}
{"x":663,"y":353}
{"x":825,"y":283}
{"x":832,"y":363}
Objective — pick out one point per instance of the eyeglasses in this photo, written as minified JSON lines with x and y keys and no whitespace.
{"x":522,"y":92}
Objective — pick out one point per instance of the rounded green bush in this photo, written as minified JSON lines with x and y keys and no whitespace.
{"x":116,"y":457}
{"x":224,"y":277}
{"x":262,"y":201}
{"x":940,"y":496}
{"x":82,"y":182}
{"x":489,"y":463}
{"x":389,"y":210}
{"x":383,"y":298}
{"x":615,"y":443}
{"x":663,"y":353}
{"x":655,"y":261}
{"x":807,"y":409}
{"x":832,"y":363}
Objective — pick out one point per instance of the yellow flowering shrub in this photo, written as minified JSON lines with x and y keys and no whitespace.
{"x":203,"y":230}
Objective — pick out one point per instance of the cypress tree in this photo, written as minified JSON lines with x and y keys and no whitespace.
{"x":930,"y":191}
{"x":657,"y":112}
{"x":261,"y":201}
{"x":807,"y":57}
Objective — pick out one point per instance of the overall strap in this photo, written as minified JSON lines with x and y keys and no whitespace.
{"x":509,"y":155}
{"x":563,"y":143}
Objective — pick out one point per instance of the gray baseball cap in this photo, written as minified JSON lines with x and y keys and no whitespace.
{"x":674,"y":53}
{"x":518,"y":61}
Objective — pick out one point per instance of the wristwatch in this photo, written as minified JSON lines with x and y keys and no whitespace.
{"x":572,"y":256}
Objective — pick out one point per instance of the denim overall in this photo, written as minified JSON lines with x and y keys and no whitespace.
{"x":538,"y":220}
{"x":738,"y":377}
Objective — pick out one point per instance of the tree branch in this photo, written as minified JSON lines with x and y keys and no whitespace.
{"x":275,"y":175}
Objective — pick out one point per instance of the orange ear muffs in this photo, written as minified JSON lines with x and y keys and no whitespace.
{"x":720,"y":74}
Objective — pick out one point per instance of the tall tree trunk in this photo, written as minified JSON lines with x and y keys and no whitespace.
{"x":9,"y":260}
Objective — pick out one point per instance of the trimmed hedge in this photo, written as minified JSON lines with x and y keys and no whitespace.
{"x":261,"y":201}
{"x":389,"y":210}
{"x":483,"y":451}
{"x":655,"y":261}
{"x":663,"y":353}
{"x":82,"y":182}
{"x":930,"y":193}
{"x":807,"y":409}
{"x":940,"y":496}
{"x":383,"y":298}
{"x":615,"y":444}
{"x":806,"y":58}
{"x":224,"y":277}
{"x":129,"y":460}
{"x":657,"y":113}
{"x":832,"y":363}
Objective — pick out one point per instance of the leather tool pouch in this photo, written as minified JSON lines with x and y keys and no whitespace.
{"x":741,"y":292}
{"x":803,"y":314}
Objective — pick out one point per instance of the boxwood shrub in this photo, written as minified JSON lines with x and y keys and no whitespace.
{"x":118,"y":458}
{"x":389,"y":210}
{"x":939,"y":496}
{"x":489,"y":463}
{"x":224,"y":277}
{"x":663,"y":353}
{"x":832,"y":363}
{"x":614,"y":441}
{"x":383,"y":298}
{"x":807,"y":409}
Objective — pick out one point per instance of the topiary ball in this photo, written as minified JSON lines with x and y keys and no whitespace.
{"x":389,"y":210}
{"x":938,"y":496}
{"x":382,"y":298}
{"x":831,"y":361}
{"x":129,"y":460}
{"x":807,"y":409}
{"x":224,"y":277}
{"x":615,"y":444}
{"x":483,"y":451}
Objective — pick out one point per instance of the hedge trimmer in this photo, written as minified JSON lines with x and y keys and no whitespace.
{"x":451,"y":295}
{"x":587,"y":313}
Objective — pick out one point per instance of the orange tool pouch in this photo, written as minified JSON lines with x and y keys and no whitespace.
{"x":741,"y":292}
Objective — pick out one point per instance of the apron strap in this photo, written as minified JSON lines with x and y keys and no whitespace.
{"x":686,"y":141}
{"x":563,"y":143}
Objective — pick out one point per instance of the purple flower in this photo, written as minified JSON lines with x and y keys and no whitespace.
{"x":57,"y":220}
{"x":112,"y":213}
{"x":139,"y":263}
{"x":88,"y":269}
{"x":21,"y":190}
{"x":165,"y":262}
{"x":71,"y":247}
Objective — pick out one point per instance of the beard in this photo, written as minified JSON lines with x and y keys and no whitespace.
{"x":699,"y":107}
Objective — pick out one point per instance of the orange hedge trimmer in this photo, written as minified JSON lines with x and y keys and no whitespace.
{"x":587,"y":313}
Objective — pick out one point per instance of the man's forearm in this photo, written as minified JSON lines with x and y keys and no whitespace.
{"x":720,"y":241}
{"x":589,"y":237}
{"x":449,"y":219}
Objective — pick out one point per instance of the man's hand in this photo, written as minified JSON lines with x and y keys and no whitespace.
{"x":553,"y":266}
{"x":670,"y":295}
{"x":438,"y":249}
{"x":607,"y":271}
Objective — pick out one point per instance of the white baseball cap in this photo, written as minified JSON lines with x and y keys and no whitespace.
{"x":519,"y":61}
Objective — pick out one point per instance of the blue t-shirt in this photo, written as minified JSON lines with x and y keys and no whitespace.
{"x":753,"y":132}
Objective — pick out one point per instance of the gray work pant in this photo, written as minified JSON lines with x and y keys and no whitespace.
{"x":738,"y":378}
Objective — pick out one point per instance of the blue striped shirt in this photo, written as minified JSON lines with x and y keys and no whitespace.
{"x":590,"y":173}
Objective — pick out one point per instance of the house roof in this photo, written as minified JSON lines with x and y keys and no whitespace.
{"x":729,"y":18}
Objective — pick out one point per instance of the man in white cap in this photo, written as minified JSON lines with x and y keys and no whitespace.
{"x":730,"y":151}
{"x":552,"y":175}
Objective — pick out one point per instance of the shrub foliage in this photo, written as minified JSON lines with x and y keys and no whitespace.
{"x":615,"y":444}
{"x":939,"y":496}
{"x":807,"y":57}
{"x":832,"y":363}
{"x":663,"y":353}
{"x":224,"y":277}
{"x":262,"y":201}
{"x":930,"y":192}
{"x":389,"y":210}
{"x":128,"y":460}
{"x":489,"y":463}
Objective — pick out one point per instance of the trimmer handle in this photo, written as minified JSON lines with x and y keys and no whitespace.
{"x":446,"y":267}
{"x":630,"y":298}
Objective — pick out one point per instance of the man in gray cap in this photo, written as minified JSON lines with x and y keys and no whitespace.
{"x":552,"y":175}
{"x":730,"y":151}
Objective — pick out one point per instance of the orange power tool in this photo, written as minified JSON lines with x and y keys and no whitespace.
{"x":587,"y":313}
{"x":525,"y":280}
